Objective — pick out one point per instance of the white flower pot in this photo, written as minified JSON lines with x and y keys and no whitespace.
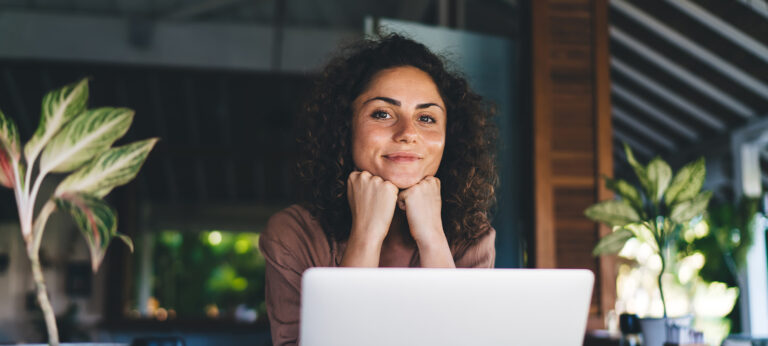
{"x":654,"y":330}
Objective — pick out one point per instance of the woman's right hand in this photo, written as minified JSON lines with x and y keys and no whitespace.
{"x":372,"y":201}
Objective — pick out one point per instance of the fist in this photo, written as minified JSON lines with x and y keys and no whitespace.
{"x":422,"y":204}
{"x":372,"y":202}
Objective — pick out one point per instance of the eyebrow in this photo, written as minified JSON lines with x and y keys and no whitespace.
{"x":397,"y":103}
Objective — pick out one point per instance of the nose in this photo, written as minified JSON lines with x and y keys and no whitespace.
{"x":406,"y":132}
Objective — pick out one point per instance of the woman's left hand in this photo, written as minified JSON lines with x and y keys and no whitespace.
{"x":422,"y":203}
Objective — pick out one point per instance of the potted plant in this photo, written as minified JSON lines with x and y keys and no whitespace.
{"x":657,"y":213}
{"x":70,"y":139}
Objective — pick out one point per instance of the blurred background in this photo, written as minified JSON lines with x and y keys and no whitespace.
{"x":221,"y":83}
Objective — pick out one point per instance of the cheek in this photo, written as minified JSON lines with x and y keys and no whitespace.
{"x":364,"y":144}
{"x":436,"y":146}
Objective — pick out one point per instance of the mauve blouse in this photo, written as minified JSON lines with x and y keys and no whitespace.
{"x":293,"y":241}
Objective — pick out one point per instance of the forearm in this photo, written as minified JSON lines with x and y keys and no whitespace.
{"x":435,"y":252}
{"x":361,"y":252}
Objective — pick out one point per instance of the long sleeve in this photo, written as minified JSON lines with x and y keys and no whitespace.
{"x":291,"y":243}
{"x":482,"y":254}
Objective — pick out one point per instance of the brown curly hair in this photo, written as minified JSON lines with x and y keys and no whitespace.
{"x":467,"y":171}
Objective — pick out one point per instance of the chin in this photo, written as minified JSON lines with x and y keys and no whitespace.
{"x":404,"y":182}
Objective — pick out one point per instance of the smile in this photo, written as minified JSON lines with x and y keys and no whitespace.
{"x":402,"y":157}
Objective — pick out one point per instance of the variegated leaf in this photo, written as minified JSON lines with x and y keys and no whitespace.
{"x":627,"y":192}
{"x":9,"y":137}
{"x":59,"y":107}
{"x":684,"y":212}
{"x":612,"y":243}
{"x":9,"y":150}
{"x":612,"y":213}
{"x":6,"y":170}
{"x":86,"y":136}
{"x":96,"y":220}
{"x":114,"y":167}
{"x":687,"y":183}
{"x":659,"y":176}
{"x":644,"y":234}
{"x":640,"y":171}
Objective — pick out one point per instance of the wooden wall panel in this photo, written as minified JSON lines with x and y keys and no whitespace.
{"x":571,"y":109}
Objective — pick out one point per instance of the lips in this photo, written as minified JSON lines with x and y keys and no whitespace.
{"x":402,"y":157}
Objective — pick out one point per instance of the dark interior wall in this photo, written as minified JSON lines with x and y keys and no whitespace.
{"x":223,"y":134}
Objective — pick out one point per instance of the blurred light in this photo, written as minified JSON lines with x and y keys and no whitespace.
{"x":630,"y":249}
{"x":212,"y":311}
{"x":214,"y":238}
{"x":714,"y":299}
{"x":244,"y":314}
{"x":152,"y":305}
{"x":701,"y":229}
{"x":735,"y":236}
{"x":689,"y":235}
{"x":239,"y":284}
{"x":171,"y":239}
{"x":171,"y":313}
{"x":242,"y":245}
{"x":161,"y":314}
{"x":689,"y":267}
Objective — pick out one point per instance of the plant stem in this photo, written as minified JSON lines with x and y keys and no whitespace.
{"x":28,"y":180}
{"x":42,"y":298}
{"x":661,"y":290}
{"x":33,"y":197}
{"x":661,"y":241}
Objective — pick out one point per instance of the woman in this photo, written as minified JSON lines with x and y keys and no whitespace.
{"x":398,"y":156}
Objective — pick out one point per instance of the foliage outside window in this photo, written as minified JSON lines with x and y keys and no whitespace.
{"x":210,"y":275}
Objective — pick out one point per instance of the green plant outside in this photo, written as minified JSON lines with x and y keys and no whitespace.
{"x":230,"y":271}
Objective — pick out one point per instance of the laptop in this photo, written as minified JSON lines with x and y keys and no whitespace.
{"x":419,"y":306}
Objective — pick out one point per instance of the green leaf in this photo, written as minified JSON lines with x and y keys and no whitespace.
{"x":612,"y":213}
{"x":659,"y":176}
{"x":114,"y":167}
{"x":86,"y":136}
{"x":627,"y":192}
{"x":684,"y":212}
{"x":687,"y":182}
{"x":612,"y":243}
{"x":9,"y":150}
{"x":9,"y":137}
{"x":640,"y":171}
{"x":644,"y":234}
{"x":59,"y":107}
{"x":96,"y":220}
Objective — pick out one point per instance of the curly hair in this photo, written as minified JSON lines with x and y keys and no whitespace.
{"x":467,"y":170}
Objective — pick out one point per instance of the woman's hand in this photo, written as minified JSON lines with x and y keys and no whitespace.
{"x":422,"y":204}
{"x":372,"y":202}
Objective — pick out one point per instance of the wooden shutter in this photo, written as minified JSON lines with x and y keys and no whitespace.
{"x":572,"y":143}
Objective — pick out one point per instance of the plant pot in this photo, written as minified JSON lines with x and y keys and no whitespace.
{"x":654,"y":330}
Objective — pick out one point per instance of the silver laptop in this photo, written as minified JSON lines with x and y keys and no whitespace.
{"x":399,"y":306}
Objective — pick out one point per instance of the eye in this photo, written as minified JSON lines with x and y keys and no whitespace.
{"x":380,"y":115}
{"x":426,"y":119}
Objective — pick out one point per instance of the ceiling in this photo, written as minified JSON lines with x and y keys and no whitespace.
{"x":685,"y":75}
{"x":488,"y":16}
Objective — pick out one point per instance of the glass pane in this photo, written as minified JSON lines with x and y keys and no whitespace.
{"x":203,"y":275}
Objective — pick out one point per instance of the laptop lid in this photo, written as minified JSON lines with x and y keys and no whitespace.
{"x":419,"y":306}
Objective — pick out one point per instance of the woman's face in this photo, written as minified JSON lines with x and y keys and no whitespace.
{"x":398,"y":126}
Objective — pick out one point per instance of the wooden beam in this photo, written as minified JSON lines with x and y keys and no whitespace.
{"x":603,"y":143}
{"x":542,"y":124}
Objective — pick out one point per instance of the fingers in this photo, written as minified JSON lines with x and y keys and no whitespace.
{"x":403,"y":195}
